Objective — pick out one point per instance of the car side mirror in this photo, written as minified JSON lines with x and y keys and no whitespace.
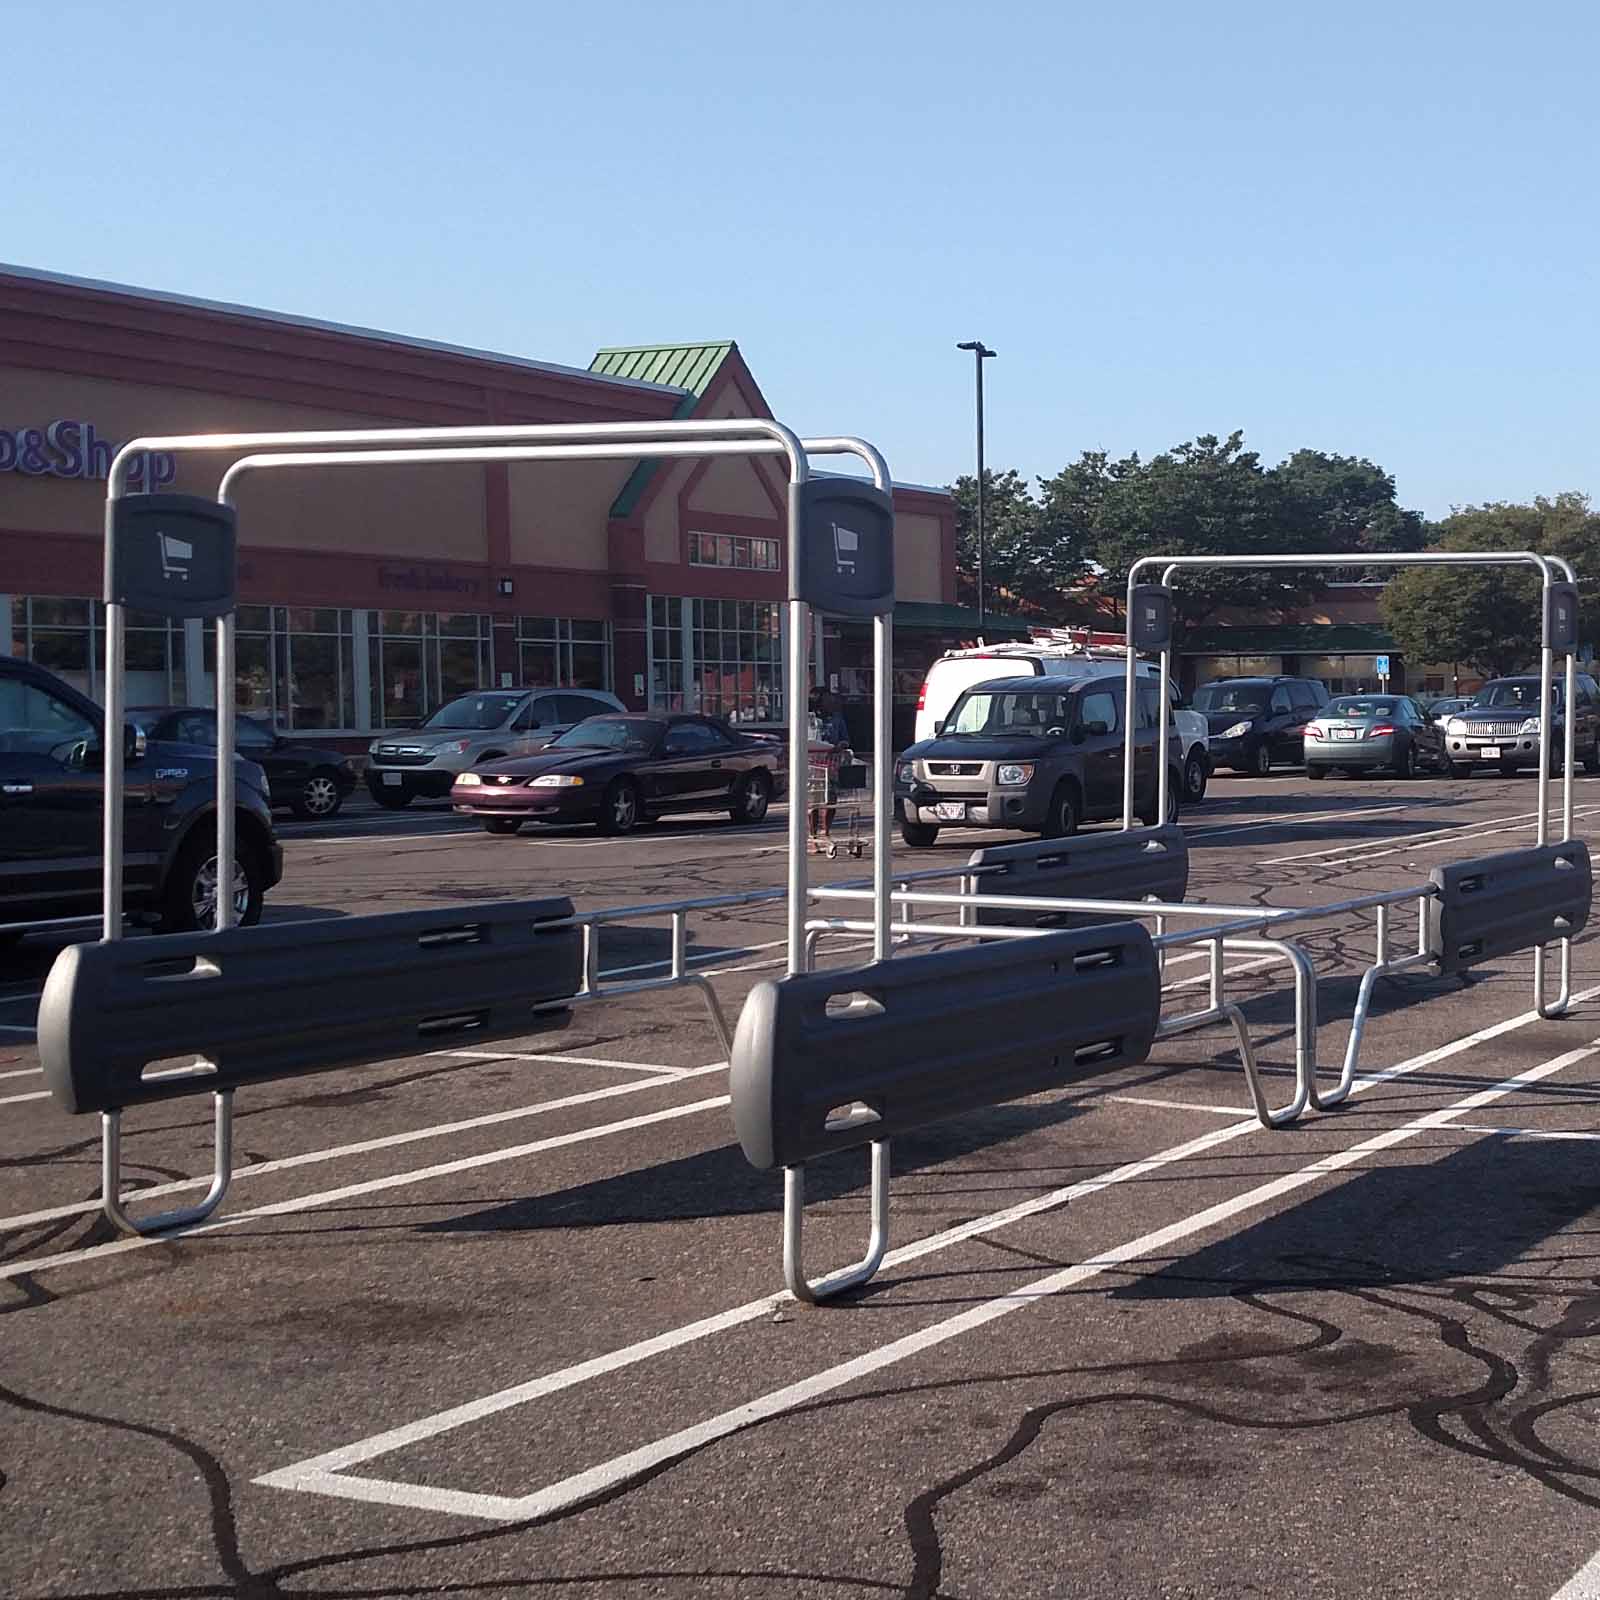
{"x":938,"y":727}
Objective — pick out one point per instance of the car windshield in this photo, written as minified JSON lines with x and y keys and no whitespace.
{"x":1521,"y":693}
{"x":1359,"y":706}
{"x":1231,"y":697}
{"x":480,"y":711}
{"x":610,"y":733}
{"x":1025,"y":713}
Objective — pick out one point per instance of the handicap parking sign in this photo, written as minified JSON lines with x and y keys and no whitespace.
{"x":1380,"y":665}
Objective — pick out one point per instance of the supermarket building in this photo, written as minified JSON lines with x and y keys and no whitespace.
{"x":369,"y":598}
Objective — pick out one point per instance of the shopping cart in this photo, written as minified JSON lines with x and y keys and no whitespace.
{"x":830,"y":775}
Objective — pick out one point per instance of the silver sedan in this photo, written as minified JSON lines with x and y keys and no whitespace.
{"x":1373,"y":732}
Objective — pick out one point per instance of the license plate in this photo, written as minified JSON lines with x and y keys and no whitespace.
{"x":1344,"y":733}
{"x":1489,"y":752}
{"x":951,"y":811}
{"x":393,"y":780}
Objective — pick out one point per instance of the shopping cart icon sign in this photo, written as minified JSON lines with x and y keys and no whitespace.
{"x":176,"y":554}
{"x":846,"y":547}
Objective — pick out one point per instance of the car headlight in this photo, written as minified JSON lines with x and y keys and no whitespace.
{"x":1456,"y":727}
{"x":468,"y":779}
{"x":453,"y":747}
{"x":1013,"y":774}
{"x":372,"y":749}
{"x":1238,"y":730}
{"x":558,"y":780}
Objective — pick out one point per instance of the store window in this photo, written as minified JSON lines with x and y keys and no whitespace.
{"x":733,"y":550}
{"x":68,"y":638}
{"x":720,"y":657}
{"x":294,"y":666}
{"x":563,"y":652}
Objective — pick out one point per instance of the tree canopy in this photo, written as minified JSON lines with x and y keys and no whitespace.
{"x":1488,"y":617}
{"x":1208,"y":496}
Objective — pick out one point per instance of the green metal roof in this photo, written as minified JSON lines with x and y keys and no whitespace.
{"x":677,"y":366}
{"x":689,"y":367}
{"x":1306,"y":638}
{"x":932,"y":616}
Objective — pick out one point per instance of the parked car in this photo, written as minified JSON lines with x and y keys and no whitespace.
{"x":958,"y":670}
{"x":52,"y":803}
{"x":1033,"y":754}
{"x":1372,"y":732}
{"x":1501,"y":726}
{"x":487,"y":725}
{"x":1259,"y":723}
{"x":623,"y":771}
{"x":1440,"y":711}
{"x":308,"y":779}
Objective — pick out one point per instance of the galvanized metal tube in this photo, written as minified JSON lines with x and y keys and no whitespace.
{"x":1162,"y":740}
{"x":882,"y":779}
{"x":1129,"y":677}
{"x":112,"y":756}
{"x":794,"y":1273}
{"x":221,"y":1172}
{"x":680,"y":940}
{"x":227,"y":778}
{"x":799,"y":754}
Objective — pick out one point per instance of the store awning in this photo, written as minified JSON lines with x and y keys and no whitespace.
{"x":1288,"y":639}
{"x":931,"y":616}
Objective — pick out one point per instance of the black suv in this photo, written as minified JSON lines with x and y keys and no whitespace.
{"x":52,"y":789}
{"x":1037,"y":754}
{"x":1502,"y":725}
{"x":1259,"y":723}
{"x":311,"y":780}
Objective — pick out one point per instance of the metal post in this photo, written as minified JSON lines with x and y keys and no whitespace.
{"x":1162,"y":740}
{"x":226,"y":698}
{"x":799,"y":754}
{"x":980,"y":353}
{"x":1129,"y":688}
{"x":882,"y":782}
{"x":112,"y":755}
{"x":1546,"y":751}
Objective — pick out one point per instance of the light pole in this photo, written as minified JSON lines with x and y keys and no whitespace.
{"x":980,"y":353}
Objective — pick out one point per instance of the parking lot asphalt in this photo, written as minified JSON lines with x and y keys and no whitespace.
{"x":509,"y":1321}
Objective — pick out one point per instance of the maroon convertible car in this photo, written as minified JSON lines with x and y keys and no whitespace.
{"x":623,"y":771}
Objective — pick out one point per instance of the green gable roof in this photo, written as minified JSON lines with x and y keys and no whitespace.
{"x":689,"y":367}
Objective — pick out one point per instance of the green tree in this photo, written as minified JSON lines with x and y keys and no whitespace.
{"x":1024,"y":563}
{"x":1353,"y":502}
{"x":1488,"y":617}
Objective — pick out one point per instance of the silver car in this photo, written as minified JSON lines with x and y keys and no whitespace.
{"x":484,"y":726}
{"x":1373,"y":732}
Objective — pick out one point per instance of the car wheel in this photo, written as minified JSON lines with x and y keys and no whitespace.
{"x":621,"y":811}
{"x":1195,"y":778}
{"x":392,"y":799}
{"x":1508,"y":769}
{"x":1406,"y":765}
{"x":1591,"y":759}
{"x":1261,"y":766}
{"x":500,"y":824}
{"x":1061,"y":821}
{"x":752,"y":794}
{"x":319,"y":797}
{"x":189,"y":900}
{"x":1460,"y":769}
{"x":1316,"y":774}
{"x":919,"y":835}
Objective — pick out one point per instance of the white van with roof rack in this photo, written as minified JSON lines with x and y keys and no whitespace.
{"x":957,"y":670}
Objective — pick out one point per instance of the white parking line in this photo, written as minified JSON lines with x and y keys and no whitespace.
{"x":23,"y":1072}
{"x":438,"y":1130}
{"x":1456,"y":832}
{"x":576,"y":1061}
{"x":1182,"y":1105}
{"x":17,"y":1099}
{"x":1306,"y":817}
{"x":322,"y":1474}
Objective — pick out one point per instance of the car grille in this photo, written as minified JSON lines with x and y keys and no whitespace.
{"x":503,"y":780}
{"x":393,"y":755}
{"x":955,"y":769}
{"x":1494,"y":730}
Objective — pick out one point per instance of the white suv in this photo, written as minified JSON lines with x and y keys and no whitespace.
{"x":473,"y":728}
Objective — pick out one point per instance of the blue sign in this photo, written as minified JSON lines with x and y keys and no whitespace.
{"x":1380,"y":665}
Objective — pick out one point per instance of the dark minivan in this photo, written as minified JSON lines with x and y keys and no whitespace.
{"x":52,"y":803}
{"x":1041,"y":755}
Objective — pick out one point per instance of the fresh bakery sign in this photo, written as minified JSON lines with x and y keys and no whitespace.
{"x":68,"y":448}
{"x":427,"y":580}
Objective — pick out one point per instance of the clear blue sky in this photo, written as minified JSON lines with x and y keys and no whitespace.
{"x":1367,"y":228}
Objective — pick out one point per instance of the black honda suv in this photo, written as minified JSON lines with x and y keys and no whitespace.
{"x":52,"y":804}
{"x":1037,"y":754}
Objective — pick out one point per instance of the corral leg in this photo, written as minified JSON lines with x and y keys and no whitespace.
{"x":111,"y":1171}
{"x":794,"y":1197}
